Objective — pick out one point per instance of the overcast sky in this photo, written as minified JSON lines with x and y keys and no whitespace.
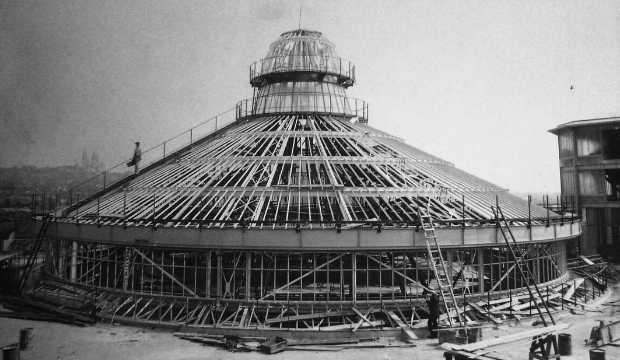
{"x":477,"y":83}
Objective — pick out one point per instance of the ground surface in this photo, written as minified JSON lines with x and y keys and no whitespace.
{"x":105,"y":341}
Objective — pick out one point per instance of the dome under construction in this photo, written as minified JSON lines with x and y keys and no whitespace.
{"x":292,"y":212}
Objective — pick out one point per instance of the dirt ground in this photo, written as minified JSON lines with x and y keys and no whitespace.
{"x":105,"y":341}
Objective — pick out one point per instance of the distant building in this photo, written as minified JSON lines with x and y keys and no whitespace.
{"x":590,"y":174}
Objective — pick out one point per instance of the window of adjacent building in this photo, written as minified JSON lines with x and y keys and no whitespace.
{"x":589,"y":143}
{"x":611,"y":139}
{"x":612,"y":184}
{"x":567,"y":181}
{"x":566,"y":145}
{"x":591,"y":182}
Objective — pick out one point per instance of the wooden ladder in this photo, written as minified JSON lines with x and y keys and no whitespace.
{"x":521,"y":264}
{"x":34,"y":254}
{"x":434,"y":256}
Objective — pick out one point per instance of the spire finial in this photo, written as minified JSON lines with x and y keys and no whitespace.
{"x":300,"y":4}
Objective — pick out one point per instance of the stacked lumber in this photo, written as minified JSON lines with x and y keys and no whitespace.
{"x":249,"y":343}
{"x":572,"y":295}
{"x":479,"y":350}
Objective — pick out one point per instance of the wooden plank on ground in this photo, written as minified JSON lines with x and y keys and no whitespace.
{"x":484,"y":313}
{"x":575,"y":284}
{"x":509,"y":338}
{"x":402,"y":325}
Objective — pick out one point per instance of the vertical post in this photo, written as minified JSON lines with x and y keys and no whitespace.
{"x":575,"y":293}
{"x":464,"y":303}
{"x":105,"y":173}
{"x":73,"y":274}
{"x":510,"y":293}
{"x":248,"y":274}
{"x":216,"y":123}
{"x":488,"y":303}
{"x":353,"y":289}
{"x":191,"y":138}
{"x":562,"y":294}
{"x":218,"y":281}
{"x":208,"y":280}
{"x":164,"y":149}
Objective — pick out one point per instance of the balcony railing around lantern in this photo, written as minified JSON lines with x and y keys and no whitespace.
{"x":327,"y":65}
{"x":299,"y":104}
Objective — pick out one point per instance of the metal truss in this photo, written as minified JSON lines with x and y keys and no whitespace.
{"x":302,"y":168}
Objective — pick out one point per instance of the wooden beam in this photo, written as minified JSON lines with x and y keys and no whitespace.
{"x":402,"y":325}
{"x":509,"y":338}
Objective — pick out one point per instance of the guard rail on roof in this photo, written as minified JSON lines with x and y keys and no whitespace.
{"x":100,"y":184}
{"x":327,"y":65}
{"x":348,"y":107}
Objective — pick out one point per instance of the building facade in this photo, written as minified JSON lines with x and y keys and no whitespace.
{"x":589,"y":152}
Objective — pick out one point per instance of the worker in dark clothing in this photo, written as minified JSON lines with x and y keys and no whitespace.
{"x":433,"y":312}
{"x":137,"y":157}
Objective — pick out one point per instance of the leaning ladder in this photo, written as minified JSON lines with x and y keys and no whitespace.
{"x":34,"y":254}
{"x":521,"y":264}
{"x":434,"y":257}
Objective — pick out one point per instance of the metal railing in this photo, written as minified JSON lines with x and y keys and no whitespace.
{"x":188,"y":138}
{"x":308,"y":63}
{"x":349,"y":107}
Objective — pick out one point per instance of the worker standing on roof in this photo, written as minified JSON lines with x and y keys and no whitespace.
{"x":137,"y":157}
{"x":433,"y":312}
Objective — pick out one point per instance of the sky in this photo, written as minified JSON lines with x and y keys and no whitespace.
{"x":476,"y":83}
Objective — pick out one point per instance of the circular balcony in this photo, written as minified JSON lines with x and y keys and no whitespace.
{"x":311,"y":103}
{"x":343,"y":70}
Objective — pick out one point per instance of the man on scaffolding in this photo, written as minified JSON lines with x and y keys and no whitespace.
{"x":137,"y":157}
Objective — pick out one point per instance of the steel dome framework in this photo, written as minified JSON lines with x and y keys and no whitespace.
{"x":296,"y":213}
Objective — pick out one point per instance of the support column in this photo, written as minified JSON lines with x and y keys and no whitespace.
{"x":126,"y":267}
{"x":74,"y":247}
{"x":60,"y":259}
{"x":218,"y":282}
{"x":208,"y":280}
{"x":353,"y":284}
{"x":480,"y":252}
{"x":450,"y":274}
{"x":248,"y":274}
